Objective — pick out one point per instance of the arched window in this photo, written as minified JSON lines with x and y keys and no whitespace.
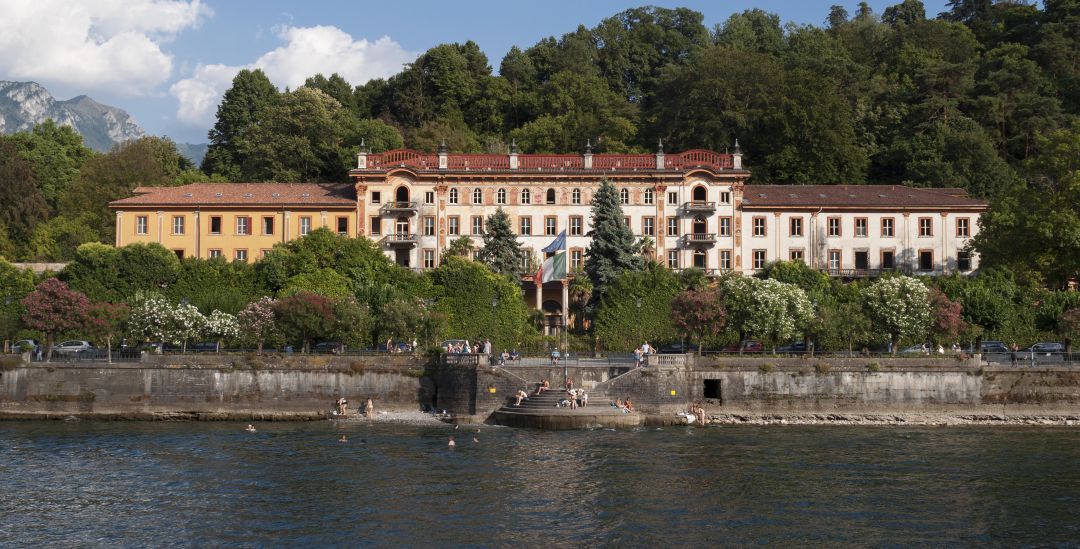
{"x":624,"y":196}
{"x":648,"y":196}
{"x":401,"y":194}
{"x":700,"y":194}
{"x":575,"y":196}
{"x":700,"y":225}
{"x":525,"y":197}
{"x":500,"y":196}
{"x":453,"y":196}
{"x":477,"y":196}
{"x":699,"y":259}
{"x":551,"y":196}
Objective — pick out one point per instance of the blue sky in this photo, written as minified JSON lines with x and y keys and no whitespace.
{"x":167,"y":61}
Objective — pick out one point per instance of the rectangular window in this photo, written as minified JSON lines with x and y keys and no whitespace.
{"x":963,"y":227}
{"x":178,"y":224}
{"x":243,"y":225}
{"x":725,"y":226}
{"x":179,"y":254}
{"x":926,"y":260}
{"x":833,"y":224}
{"x":963,"y":261}
{"x":888,"y":259}
{"x":725,"y":259}
{"x":647,"y":228}
{"x":795,"y":226}
{"x":477,"y":224}
{"x":376,"y":225}
{"x":673,"y":198}
{"x":429,"y":259}
{"x":263,"y":252}
{"x":759,"y":226}
{"x":575,"y":261}
{"x":453,"y":225}
{"x":525,"y":226}
{"x":725,"y":197}
{"x":673,"y":259}
{"x":215,"y":224}
{"x":343,"y":225}
{"x":861,"y":227}
{"x":305,"y":225}
{"x":429,"y":197}
{"x":648,"y":198}
{"x":926,"y":226}
{"x":551,"y":225}
{"x":376,"y":197}
{"x":701,"y":260}
{"x":795,"y":255}
{"x":429,"y":226}
{"x":575,"y":225}
{"x":214,"y":253}
{"x":888,"y":227}
{"x":240,"y":255}
{"x":673,"y":226}
{"x":862,"y":260}
{"x":141,"y":223}
{"x":627,"y":220}
{"x":268,"y":225}
{"x":834,"y":260}
{"x":759,"y":259}
{"x":452,"y":196}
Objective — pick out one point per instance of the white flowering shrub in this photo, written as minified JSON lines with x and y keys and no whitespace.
{"x":222,"y":325}
{"x":900,"y":307}
{"x":155,"y":319}
{"x":769,"y":310}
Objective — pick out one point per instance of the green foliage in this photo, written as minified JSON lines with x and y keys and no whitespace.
{"x":622,"y":325}
{"x":501,"y":251}
{"x":22,"y":205}
{"x":325,"y":282}
{"x":59,"y":238}
{"x":464,"y":291}
{"x":306,"y":317}
{"x":461,"y":246}
{"x":215,"y":284}
{"x":899,"y":307}
{"x":612,"y":248}
{"x":15,"y":284}
{"x":699,"y":313}
{"x":112,"y":274}
{"x":241,"y":106}
{"x":55,"y":153}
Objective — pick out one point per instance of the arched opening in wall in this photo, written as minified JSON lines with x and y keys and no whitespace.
{"x":699,"y":259}
{"x":699,"y":194}
{"x":552,"y":307}
{"x":700,"y":225}
{"x":551,"y":196}
{"x":401,"y":194}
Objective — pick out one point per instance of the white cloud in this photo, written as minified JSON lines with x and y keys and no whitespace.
{"x":306,"y":51}
{"x":112,"y":45}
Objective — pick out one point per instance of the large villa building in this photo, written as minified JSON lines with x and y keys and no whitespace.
{"x":695,"y":206}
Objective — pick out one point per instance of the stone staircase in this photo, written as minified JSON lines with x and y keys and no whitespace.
{"x":549,"y":399}
{"x":540,"y":411}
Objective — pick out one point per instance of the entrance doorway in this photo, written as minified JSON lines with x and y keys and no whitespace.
{"x":401,"y":257}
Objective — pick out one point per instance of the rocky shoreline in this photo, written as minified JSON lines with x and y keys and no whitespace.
{"x":907,"y":418}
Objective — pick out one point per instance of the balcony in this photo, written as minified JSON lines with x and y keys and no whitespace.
{"x":400,"y":239}
{"x":696,"y":207}
{"x":698,"y":239}
{"x":399,"y":208}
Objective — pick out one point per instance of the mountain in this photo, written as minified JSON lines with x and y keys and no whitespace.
{"x":24,"y":104}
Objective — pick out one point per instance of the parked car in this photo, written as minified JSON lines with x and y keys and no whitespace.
{"x":678,"y":349}
{"x":24,"y":345}
{"x":71,"y":347}
{"x":328,"y":347}
{"x":794,"y":347}
{"x":993,"y":347}
{"x":203,"y":347}
{"x":748,"y":346}
{"x":1045,"y":347}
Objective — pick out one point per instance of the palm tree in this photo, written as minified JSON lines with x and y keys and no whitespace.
{"x":580,"y":291}
{"x":648,"y":248}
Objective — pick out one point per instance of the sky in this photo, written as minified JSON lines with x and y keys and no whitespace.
{"x":167,"y":62}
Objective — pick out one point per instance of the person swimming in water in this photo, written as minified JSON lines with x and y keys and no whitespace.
{"x":250,"y":428}
{"x":451,"y":444}
{"x":343,"y":439}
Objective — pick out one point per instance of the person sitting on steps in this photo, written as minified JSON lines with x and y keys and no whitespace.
{"x":542,"y":387}
{"x":521,"y":395}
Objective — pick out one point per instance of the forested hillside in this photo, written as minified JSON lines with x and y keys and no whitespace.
{"x":984,"y":97}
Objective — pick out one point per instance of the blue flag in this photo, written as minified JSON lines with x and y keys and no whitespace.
{"x":558,"y":244}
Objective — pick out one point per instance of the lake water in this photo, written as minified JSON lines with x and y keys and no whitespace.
{"x":211,"y":484}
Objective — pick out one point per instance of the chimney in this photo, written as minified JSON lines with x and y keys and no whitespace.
{"x":659,"y":154}
{"x":361,"y":156}
{"x":513,"y":155}
{"x":588,"y":154}
{"x":443,"y":155}
{"x":736,"y":156}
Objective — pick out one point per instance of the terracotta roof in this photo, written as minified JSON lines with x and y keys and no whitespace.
{"x":817,"y":196}
{"x":243,"y":194}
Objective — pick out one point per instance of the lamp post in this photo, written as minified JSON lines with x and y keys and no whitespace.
{"x":637,"y":303}
{"x":494,"y":319}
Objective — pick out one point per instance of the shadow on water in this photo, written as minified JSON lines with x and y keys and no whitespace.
{"x":194,"y":484}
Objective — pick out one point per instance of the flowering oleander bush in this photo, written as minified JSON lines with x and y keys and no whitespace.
{"x":900,"y":307}
{"x":769,"y":310}
{"x":221,"y":325}
{"x":256,"y":320}
{"x":52,"y":308}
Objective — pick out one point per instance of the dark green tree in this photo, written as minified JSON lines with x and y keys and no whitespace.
{"x":56,"y":153}
{"x":501,"y":251}
{"x":612,"y":249}
{"x":251,"y":92}
{"x":22,"y":205}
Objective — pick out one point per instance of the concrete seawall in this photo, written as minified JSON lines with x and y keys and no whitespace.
{"x":303,"y":387}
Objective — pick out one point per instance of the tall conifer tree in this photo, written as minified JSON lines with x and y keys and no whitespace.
{"x":613,"y":248}
{"x":501,"y":251}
